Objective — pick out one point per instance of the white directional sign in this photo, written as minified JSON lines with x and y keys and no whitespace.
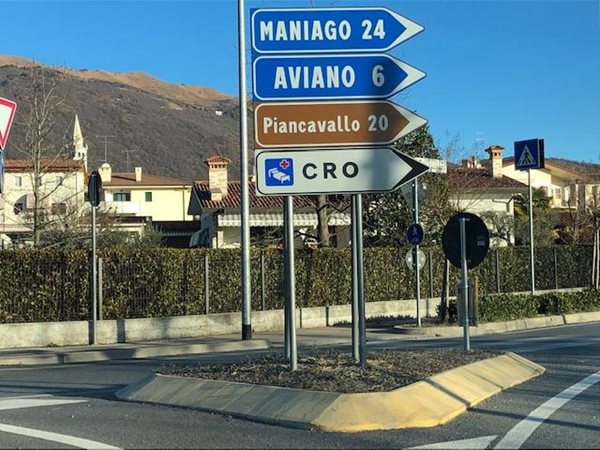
{"x":7,"y":113}
{"x":342,"y":171}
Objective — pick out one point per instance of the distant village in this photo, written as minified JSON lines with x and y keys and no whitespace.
{"x":206,"y":213}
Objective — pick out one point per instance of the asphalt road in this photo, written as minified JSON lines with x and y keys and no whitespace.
{"x":74,"y":407}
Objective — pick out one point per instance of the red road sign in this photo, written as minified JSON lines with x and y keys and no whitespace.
{"x":331,"y":124}
{"x":7,"y":113}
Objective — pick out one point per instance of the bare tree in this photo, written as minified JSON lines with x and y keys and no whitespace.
{"x":44,"y":154}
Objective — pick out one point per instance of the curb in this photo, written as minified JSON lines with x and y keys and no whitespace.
{"x":502,"y":327}
{"x":109,"y":354}
{"x":433,"y":401}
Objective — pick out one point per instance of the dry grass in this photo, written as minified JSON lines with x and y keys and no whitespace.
{"x":333,"y":371}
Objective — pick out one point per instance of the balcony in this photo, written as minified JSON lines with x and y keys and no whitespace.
{"x":122,"y":208}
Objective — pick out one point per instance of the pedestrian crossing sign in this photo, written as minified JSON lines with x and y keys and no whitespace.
{"x":529,"y":154}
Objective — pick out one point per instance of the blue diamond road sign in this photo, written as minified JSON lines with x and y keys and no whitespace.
{"x":321,"y":77}
{"x":529,"y":154}
{"x":323,"y":30}
{"x":279,"y":172}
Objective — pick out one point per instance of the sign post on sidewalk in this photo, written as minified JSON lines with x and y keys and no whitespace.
{"x":94,"y":197}
{"x":529,"y":155}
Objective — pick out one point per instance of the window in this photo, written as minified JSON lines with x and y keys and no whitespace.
{"x":18,"y":209}
{"x":17,"y":181}
{"x":122,"y":197}
{"x":148,"y":196}
{"x":557,"y":193}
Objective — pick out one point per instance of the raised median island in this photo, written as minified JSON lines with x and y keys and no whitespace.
{"x":396,"y":389}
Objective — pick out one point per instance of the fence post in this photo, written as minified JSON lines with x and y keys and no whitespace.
{"x":555,"y":269}
{"x":430,"y":275}
{"x":262,"y":279}
{"x":206,"y":286}
{"x":498,"y":270}
{"x":100,"y":292}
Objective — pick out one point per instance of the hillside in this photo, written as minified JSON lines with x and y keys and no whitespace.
{"x":170,"y":129}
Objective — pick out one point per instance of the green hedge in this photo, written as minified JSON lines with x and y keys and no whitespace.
{"x":55,"y":285}
{"x":504,"y":307}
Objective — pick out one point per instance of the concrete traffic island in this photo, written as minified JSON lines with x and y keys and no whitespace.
{"x":427,"y":403}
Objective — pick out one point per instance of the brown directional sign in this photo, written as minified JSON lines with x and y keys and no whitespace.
{"x":331,"y":124}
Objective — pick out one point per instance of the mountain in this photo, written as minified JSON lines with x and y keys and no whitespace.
{"x":168,"y":129}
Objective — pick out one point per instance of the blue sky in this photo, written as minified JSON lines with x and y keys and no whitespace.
{"x":497,"y":70}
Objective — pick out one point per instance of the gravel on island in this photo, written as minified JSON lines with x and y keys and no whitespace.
{"x":334,"y":371}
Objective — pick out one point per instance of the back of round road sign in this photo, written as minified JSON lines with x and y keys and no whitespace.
{"x":477,"y":240}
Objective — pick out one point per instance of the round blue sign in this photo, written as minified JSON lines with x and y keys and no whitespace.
{"x":415,"y":234}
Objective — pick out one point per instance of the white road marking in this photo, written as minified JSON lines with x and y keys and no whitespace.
{"x":478,"y":443}
{"x":18,"y":403}
{"x":30,"y":401}
{"x":56,"y":437}
{"x":515,"y":438}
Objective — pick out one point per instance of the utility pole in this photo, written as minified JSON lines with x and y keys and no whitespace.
{"x":127,"y":152}
{"x":105,"y":137}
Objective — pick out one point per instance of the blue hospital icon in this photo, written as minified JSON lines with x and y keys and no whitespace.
{"x":279,"y":172}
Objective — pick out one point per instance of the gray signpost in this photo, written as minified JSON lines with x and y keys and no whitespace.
{"x":529,"y":155}
{"x":465,"y":241}
{"x":94,"y":197}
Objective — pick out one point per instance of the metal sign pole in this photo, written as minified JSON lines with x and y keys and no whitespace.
{"x":245,"y":212}
{"x":531,"y":244}
{"x":291,"y":297}
{"x":465,"y":281}
{"x":362,"y":340}
{"x":286,"y":283}
{"x":416,"y":252}
{"x":354,"y":262}
{"x":94,"y":277}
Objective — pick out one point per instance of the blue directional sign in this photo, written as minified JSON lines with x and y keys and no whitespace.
{"x":331,"y":77}
{"x":322,"y":30}
{"x":529,"y":154}
{"x":415,"y":234}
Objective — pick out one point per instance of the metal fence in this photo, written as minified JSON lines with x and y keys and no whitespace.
{"x":44,"y":286}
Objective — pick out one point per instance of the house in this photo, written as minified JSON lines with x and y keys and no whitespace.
{"x":60,"y":196}
{"x":567,"y":183}
{"x":482,"y":188}
{"x":135,"y":199}
{"x":216,"y":203}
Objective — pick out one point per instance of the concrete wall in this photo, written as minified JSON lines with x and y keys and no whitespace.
{"x":134,"y":330}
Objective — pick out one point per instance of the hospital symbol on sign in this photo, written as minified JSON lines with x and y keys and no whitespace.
{"x":279,"y":171}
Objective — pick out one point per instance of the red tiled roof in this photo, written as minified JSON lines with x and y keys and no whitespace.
{"x":128,"y":179}
{"x":59,"y":165}
{"x":465,"y":178}
{"x":234,"y":195}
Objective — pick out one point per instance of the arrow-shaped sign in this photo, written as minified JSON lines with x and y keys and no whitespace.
{"x":332,"y":124}
{"x":330,"y":77}
{"x":7,"y":113}
{"x":334,"y":171}
{"x":323,"y":30}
